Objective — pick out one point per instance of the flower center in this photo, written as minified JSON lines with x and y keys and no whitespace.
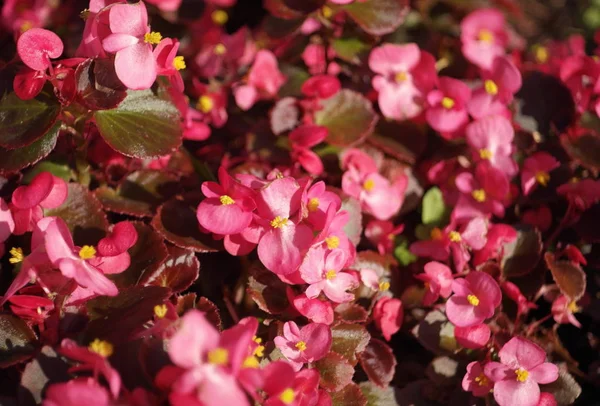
{"x":152,"y":38}
{"x":485,"y":36}
{"x":368,"y":185}
{"x":401,"y":77}
{"x":485,"y":153}
{"x":288,"y":396}
{"x":447,"y":103}
{"x":522,"y":375}
{"x":542,"y":178}
{"x":473,"y":300}
{"x":179,"y":63}
{"x":278,"y":222}
{"x":384,"y":286}
{"x":16,"y":255}
{"x":327,"y":12}
{"x":87,"y":252}
{"x":436,"y":234}
{"x":332,"y":242}
{"x":541,"y":54}
{"x":251,"y":362}
{"x":454,"y":236}
{"x":205,"y":104}
{"x":301,"y":346}
{"x":219,"y":17}
{"x":226,"y":200}
{"x":218,"y":356}
{"x":331,"y":274}
{"x":573,"y":308}
{"x":482,"y":380}
{"x":479,"y":195}
{"x":220,"y":49}
{"x":313,"y":204}
{"x":101,"y":347}
{"x":160,"y":311}
{"x":491,"y":87}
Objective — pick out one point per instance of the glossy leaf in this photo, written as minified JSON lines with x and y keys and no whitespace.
{"x":98,"y":87}
{"x":378,"y":17}
{"x":351,"y":49}
{"x":378,"y":362}
{"x":568,"y":275}
{"x":180,"y":269}
{"x":267,"y":291}
{"x":350,"y":395}
{"x":351,"y":313}
{"x":436,"y":333}
{"x":16,"y":159}
{"x":584,"y":149}
{"x":336,"y":372}
{"x":377,"y":396}
{"x":348,"y":340}
{"x":434,"y":208}
{"x":17,"y":341}
{"x":522,"y":255}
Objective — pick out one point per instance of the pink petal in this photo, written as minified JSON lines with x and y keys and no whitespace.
{"x":112,"y":265}
{"x":58,"y":241}
{"x":195,"y":337}
{"x":117,"y":42}
{"x":122,"y":237}
{"x":318,"y":340}
{"x":335,"y":260}
{"x":36,"y":45}
{"x":446,"y":120}
{"x":390,"y":59}
{"x":463,"y":314}
{"x":473,"y":337}
{"x":281,"y":249}
{"x":58,"y":194}
{"x":280,"y":198}
{"x":519,"y":352}
{"x":221,"y":218}
{"x":485,"y":287}
{"x":129,"y":19}
{"x":313,"y":265}
{"x":87,"y":276}
{"x":315,"y":310}
{"x":245,"y":96}
{"x":28,"y":196}
{"x":7,"y":223}
{"x":475,"y":232}
{"x":337,"y":289}
{"x":511,"y":392}
{"x":544,"y":373}
{"x":135,"y":66}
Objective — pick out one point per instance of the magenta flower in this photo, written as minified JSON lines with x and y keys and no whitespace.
{"x":536,"y":170}
{"x":475,"y":299}
{"x":7,"y":224}
{"x":491,"y":139}
{"x":521,"y":369}
{"x":404,"y":76}
{"x":438,"y":282}
{"x":37,"y":46}
{"x":284,"y":387}
{"x":475,"y":380}
{"x":498,"y":89}
{"x":301,"y":346}
{"x":264,"y":81}
{"x":497,"y":236}
{"x":581,"y":193}
{"x":563,"y":309}
{"x":168,"y":63}
{"x":447,"y":110}
{"x":483,"y":36}
{"x":383,"y":235}
{"x":318,"y":200}
{"x":315,"y":310}
{"x":482,"y":193}
{"x":166,"y":5}
{"x":84,"y":391}
{"x":388,"y":315}
{"x":228,"y":206}
{"x":131,"y":41}
{"x":322,"y":269}
{"x":303,"y":138}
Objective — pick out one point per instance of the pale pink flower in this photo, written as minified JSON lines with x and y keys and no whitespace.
{"x":447,"y":111}
{"x":438,"y":282}
{"x":483,"y":36}
{"x":317,"y":201}
{"x":536,"y":171}
{"x":383,"y":235}
{"x":563,"y":309}
{"x":316,"y":310}
{"x":301,"y":346}
{"x":491,"y":138}
{"x":388,"y":315}
{"x":475,"y":380}
{"x":475,"y":299}
{"x":284,"y":386}
{"x":264,"y":81}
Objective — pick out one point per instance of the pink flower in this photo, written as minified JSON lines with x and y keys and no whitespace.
{"x":483,"y":36}
{"x":77,"y":392}
{"x":222,"y":53}
{"x":520,"y":371}
{"x":404,"y":76}
{"x":321,"y":86}
{"x":536,"y":170}
{"x":497,"y":236}
{"x":7,"y":224}
{"x":303,"y":138}
{"x":37,"y":46}
{"x":316,"y":310}
{"x":563,"y":309}
{"x":540,"y":217}
{"x":301,"y":346}
{"x":491,"y":139}
{"x":497,"y":91}
{"x":475,"y":299}
{"x":475,"y":380}
{"x":131,"y":41}
{"x":513,"y":292}
{"x":582,"y":193}
{"x":228,"y":206}
{"x":317,"y":201}
{"x":168,"y":63}
{"x":383,"y":235}
{"x":438,"y":282}
{"x":472,"y":337}
{"x":166,"y":5}
{"x":482,"y":193}
{"x":448,"y":105}
{"x":285,"y":387}
{"x":388,"y":314}
{"x":322,"y":269}
{"x":264,"y":81}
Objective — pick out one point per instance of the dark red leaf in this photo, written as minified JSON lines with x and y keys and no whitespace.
{"x":180,"y":269}
{"x":378,"y":362}
{"x":336,"y":372}
{"x":17,"y":341}
{"x":568,"y":275}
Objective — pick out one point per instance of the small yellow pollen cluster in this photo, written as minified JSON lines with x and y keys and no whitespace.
{"x":251,"y":362}
{"x":220,"y":49}
{"x":541,"y":54}
{"x":401,"y":77}
{"x":384,"y":286}
{"x":522,"y":375}
{"x":219,"y":17}
{"x":482,"y":380}
{"x":485,"y":153}
{"x":332,"y":242}
{"x":288,"y":396}
{"x":160,"y":311}
{"x":279,"y":222}
{"x":447,"y":103}
{"x":87,"y":252}
{"x":490,"y":87}
{"x":301,"y":346}
{"x":368,"y":185}
{"x":218,"y":356}
{"x":454,"y":236}
{"x":436,"y":234}
{"x":16,"y":255}
{"x":259,"y":351}
{"x":573,"y":308}
{"x":226,"y":200}
{"x":485,"y":36}
{"x":473,"y":300}
{"x":479,"y":195}
{"x":179,"y":63}
{"x":327,"y":12}
{"x":542,"y":178}
{"x":313,"y":204}
{"x":331,"y":274}
{"x":101,"y":347}
{"x":205,"y":104}
{"x":152,"y":38}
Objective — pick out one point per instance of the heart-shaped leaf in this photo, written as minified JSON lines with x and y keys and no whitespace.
{"x":565,"y":389}
{"x":522,"y":255}
{"x":98,"y":87}
{"x":378,"y":17}
{"x":348,"y":116}
{"x":348,"y":340}
{"x":350,"y":395}
{"x":335,"y":371}
{"x":568,"y":275}
{"x":267,"y":291}
{"x":22,"y":122}
{"x":351,"y":313}
{"x":16,"y":159}
{"x":434,"y":208}
{"x":378,"y":362}
{"x":177,"y":272}
{"x":143,"y":126}
{"x":584,"y":148}
{"x":17,"y":340}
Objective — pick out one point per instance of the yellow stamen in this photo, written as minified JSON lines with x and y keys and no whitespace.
{"x":368,"y":185}
{"x":301,"y":346}
{"x":288,"y":396}
{"x":479,"y":195}
{"x":491,"y":87}
{"x":259,"y":351}
{"x":16,"y":255}
{"x":313,"y":204}
{"x":160,"y":311}
{"x":220,"y":49}
{"x":573,"y":308}
{"x":257,"y":340}
{"x":152,"y":38}
{"x":327,"y":12}
{"x":205,"y":104}
{"x":218,"y":356}
{"x":219,"y":17}
{"x":101,"y":347}
{"x":482,"y":380}
{"x":542,"y":178}
{"x":332,"y":242}
{"x":26,"y":26}
{"x":401,"y":77}
{"x":485,"y":36}
{"x":384,"y":286}
{"x":87,"y":252}
{"x":447,"y":103}
{"x":331,"y":274}
{"x":251,"y":362}
{"x":226,"y":200}
{"x":278,"y":222}
{"x":454,"y":236}
{"x":522,"y":375}
{"x":85,"y":13}
{"x":485,"y":153}
{"x":473,"y":300}
{"x":179,"y":63}
{"x":436,"y":234}
{"x":541,"y":54}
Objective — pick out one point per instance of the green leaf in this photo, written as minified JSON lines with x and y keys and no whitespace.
{"x":16,"y":159}
{"x":143,"y":126}
{"x":348,"y":116}
{"x":17,"y":340}
{"x":403,"y":254}
{"x":335,"y":372}
{"x":351,"y":50}
{"x":295,"y":78}
{"x":434,"y":208}
{"x":377,"y":396}
{"x":348,"y":340}
{"x":60,"y":170}
{"x":378,"y":17}
{"x":350,"y":395}
{"x":22,"y":122}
